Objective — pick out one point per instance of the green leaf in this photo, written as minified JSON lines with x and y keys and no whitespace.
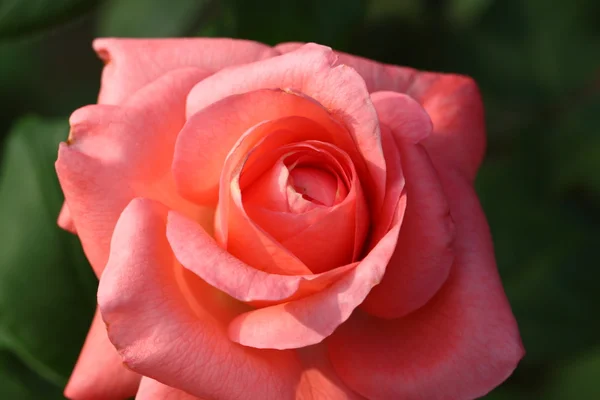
{"x":153,"y":18}
{"x":47,"y":289}
{"x":577,"y":380}
{"x":20,"y":383}
{"x":18,"y":17}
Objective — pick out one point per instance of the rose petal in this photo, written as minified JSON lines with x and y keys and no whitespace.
{"x":321,"y":237}
{"x":65,"y":220}
{"x":99,"y":373}
{"x":220,"y":125}
{"x":311,"y":319}
{"x":234,"y":230}
{"x":273,"y":212}
{"x":452,"y":101}
{"x":403,"y":115}
{"x":394,"y":188}
{"x":377,"y":76}
{"x":154,"y":390}
{"x":424,"y":254}
{"x":125,"y":152}
{"x":319,"y":380}
{"x":199,"y":253}
{"x":267,"y":191}
{"x":461,"y":345}
{"x":337,"y":236}
{"x":160,"y":333}
{"x":409,"y":122}
{"x":318,"y":184}
{"x":310,"y":70}
{"x":130,"y":64}
{"x":454,"y":104}
{"x":423,"y":257}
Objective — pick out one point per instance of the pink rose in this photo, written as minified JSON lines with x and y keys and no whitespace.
{"x":282,"y":223}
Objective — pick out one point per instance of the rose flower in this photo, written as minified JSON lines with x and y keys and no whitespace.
{"x":282,"y":223}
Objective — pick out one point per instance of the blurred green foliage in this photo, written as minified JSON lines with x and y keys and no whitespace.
{"x":538,"y":67}
{"x":24,"y":17}
{"x":46,"y":287}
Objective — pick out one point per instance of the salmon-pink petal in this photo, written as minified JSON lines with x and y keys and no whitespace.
{"x":124,"y":151}
{"x":310,"y":70}
{"x":269,"y":190}
{"x":321,"y":237}
{"x":394,"y":188}
{"x":160,"y":333}
{"x":403,"y":115}
{"x":154,"y":390}
{"x":329,"y":241}
{"x":461,"y":345}
{"x":274,"y":178}
{"x":131,"y":64}
{"x":286,"y":47}
{"x":65,"y":220}
{"x":99,"y":373}
{"x":454,"y":104}
{"x":319,"y":380}
{"x":220,"y":125}
{"x":337,"y":236}
{"x":452,"y":101}
{"x":311,"y":319}
{"x":199,"y":253}
{"x":423,"y":257}
{"x":377,"y":76}
{"x":318,"y":184}
{"x":402,"y":118}
{"x":234,"y":230}
{"x":267,"y":198}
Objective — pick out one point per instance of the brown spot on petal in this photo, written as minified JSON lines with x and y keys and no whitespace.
{"x":124,"y":364}
{"x":70,"y":139}
{"x":104,"y":56}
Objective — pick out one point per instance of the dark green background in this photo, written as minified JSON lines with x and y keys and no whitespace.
{"x":538,"y":66}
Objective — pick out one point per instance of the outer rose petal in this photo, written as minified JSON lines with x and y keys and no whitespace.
{"x":65,"y":220}
{"x":423,"y":257}
{"x":461,"y":345}
{"x":319,"y":381}
{"x":199,"y":253}
{"x":99,"y":373}
{"x":310,"y":70}
{"x":377,"y":76}
{"x":131,"y":64}
{"x":454,"y":104}
{"x":127,"y":152}
{"x":452,"y":101}
{"x":160,"y":334}
{"x":154,"y":390}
